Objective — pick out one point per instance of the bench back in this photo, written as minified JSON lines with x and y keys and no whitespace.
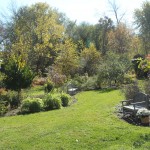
{"x":140,"y":97}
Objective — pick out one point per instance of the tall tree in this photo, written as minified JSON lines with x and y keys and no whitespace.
{"x":115,"y":9}
{"x":35,"y":32}
{"x":142,"y":20}
{"x":84,"y":33}
{"x":90,"y":59}
{"x":120,"y":39}
{"x":67,"y":61}
{"x":100,"y":34}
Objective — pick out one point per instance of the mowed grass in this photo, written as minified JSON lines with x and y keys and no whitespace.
{"x":89,"y":124}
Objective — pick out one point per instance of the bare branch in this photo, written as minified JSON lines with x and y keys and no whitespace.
{"x":115,"y":10}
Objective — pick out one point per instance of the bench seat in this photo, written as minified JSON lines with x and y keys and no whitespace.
{"x":140,"y":101}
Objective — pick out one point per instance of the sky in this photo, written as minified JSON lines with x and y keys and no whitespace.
{"x":83,"y":10}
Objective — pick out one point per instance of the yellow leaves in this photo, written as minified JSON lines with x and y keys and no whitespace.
{"x":90,"y":53}
{"x":20,"y":62}
{"x":68,"y":60}
{"x":37,"y":35}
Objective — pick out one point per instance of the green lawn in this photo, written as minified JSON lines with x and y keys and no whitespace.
{"x":89,"y":124}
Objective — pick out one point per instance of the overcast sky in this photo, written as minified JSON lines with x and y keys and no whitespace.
{"x":83,"y":10}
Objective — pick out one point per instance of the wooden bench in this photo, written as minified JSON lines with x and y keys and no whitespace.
{"x":139,"y":101}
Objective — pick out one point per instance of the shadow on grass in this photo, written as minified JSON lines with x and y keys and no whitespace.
{"x":107,"y":90}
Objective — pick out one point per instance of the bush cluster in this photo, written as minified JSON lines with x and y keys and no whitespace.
{"x":65,"y":99}
{"x":13,"y":99}
{"x":85,"y":83}
{"x":9,"y":98}
{"x":32,"y":105}
{"x":48,"y":87}
{"x":131,"y":90}
{"x":90,"y":84}
{"x":50,"y":102}
{"x":3,"y":108}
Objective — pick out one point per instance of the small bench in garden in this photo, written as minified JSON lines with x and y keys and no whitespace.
{"x":139,"y":101}
{"x":71,"y":89}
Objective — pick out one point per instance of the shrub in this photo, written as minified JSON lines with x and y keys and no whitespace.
{"x":49,"y":86}
{"x":131,"y":90}
{"x":147,"y":87}
{"x":3,"y":109}
{"x":128,"y":79}
{"x":10,"y":97}
{"x":112,"y":69}
{"x":52,"y":102}
{"x":90,"y":84}
{"x":65,"y":98}
{"x":137,"y":59}
{"x":18,"y":75}
{"x":13,"y":99}
{"x":32,"y":105}
{"x":56,"y":76}
{"x":78,"y":80}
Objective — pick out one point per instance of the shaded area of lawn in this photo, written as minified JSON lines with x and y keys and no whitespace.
{"x":88,"y":124}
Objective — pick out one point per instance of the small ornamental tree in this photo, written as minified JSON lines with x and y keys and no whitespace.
{"x":141,"y":66}
{"x":136,"y":61}
{"x":18,"y":75}
{"x":144,"y":65}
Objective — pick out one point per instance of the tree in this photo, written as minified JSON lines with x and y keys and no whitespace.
{"x":100,"y":33}
{"x":136,"y":61}
{"x":67,"y":60}
{"x":35,"y":32}
{"x":90,"y":58}
{"x":112,"y":69}
{"x":119,"y":39}
{"x":84,"y":33}
{"x":136,"y":46}
{"x":18,"y":75}
{"x":142,"y":20}
{"x":115,"y":10}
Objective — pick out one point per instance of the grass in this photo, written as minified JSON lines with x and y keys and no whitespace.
{"x":89,"y":124}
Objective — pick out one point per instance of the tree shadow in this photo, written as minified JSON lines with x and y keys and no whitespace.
{"x":107,"y":90}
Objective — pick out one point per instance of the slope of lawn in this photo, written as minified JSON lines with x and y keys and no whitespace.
{"x":89,"y":124}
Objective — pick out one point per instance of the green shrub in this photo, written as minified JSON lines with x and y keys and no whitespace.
{"x":65,"y":98}
{"x":3,"y":109}
{"x":10,"y":97}
{"x":78,"y":80}
{"x":90,"y":84}
{"x":52,"y":102}
{"x":48,"y":86}
{"x":147,"y":87}
{"x":131,"y":90}
{"x":32,"y":105}
{"x":18,"y":75}
{"x":13,"y":99}
{"x":4,"y":97}
{"x":128,"y":79}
